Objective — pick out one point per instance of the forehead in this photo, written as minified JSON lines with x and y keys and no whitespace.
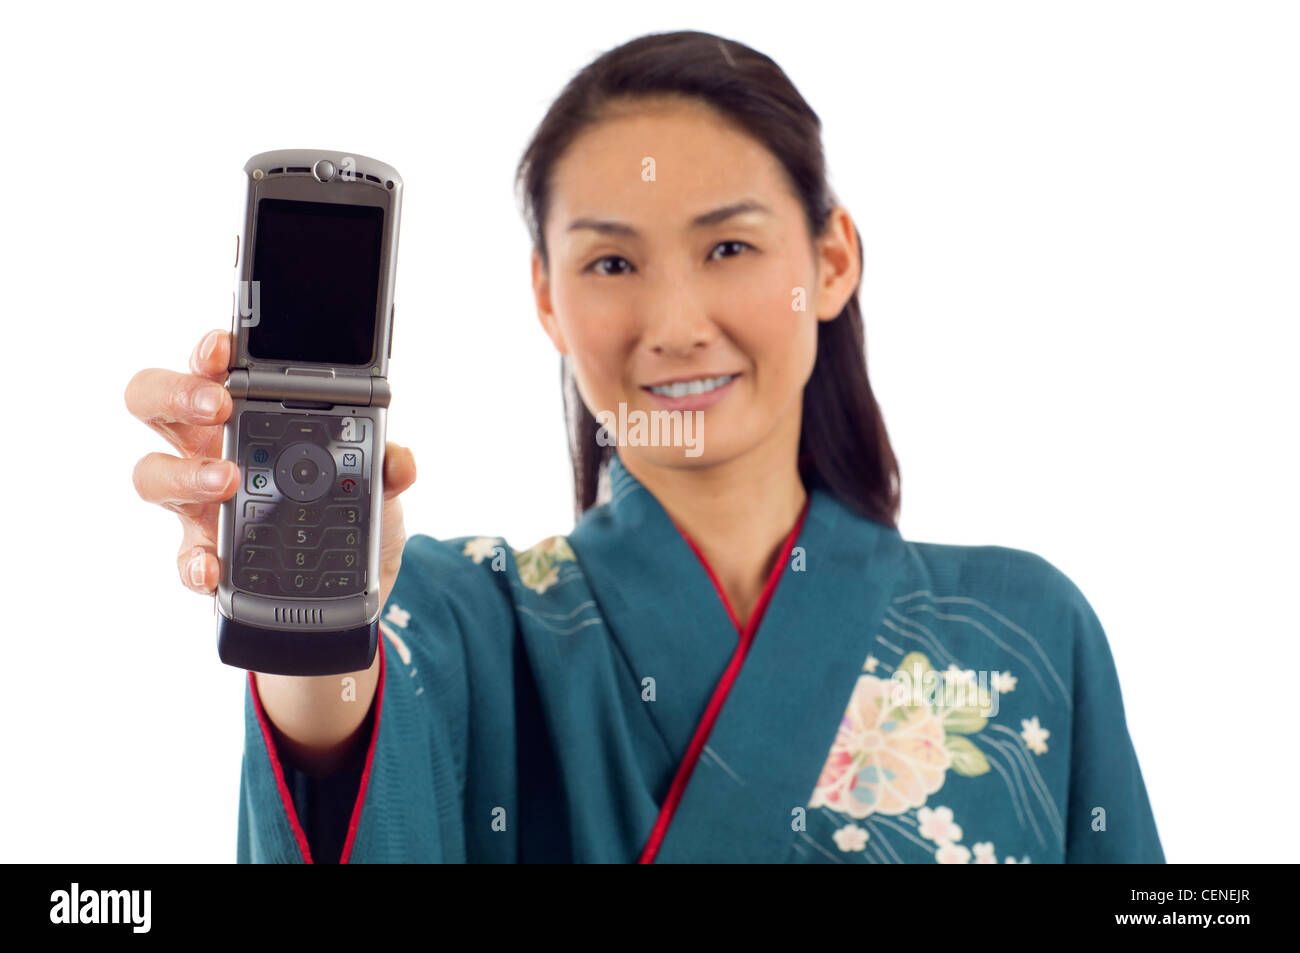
{"x":700,"y":161}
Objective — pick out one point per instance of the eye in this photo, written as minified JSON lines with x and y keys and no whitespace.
{"x":594,"y":264}
{"x":736,"y":242}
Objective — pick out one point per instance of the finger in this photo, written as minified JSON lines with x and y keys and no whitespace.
{"x":184,"y":408}
{"x":392,"y":539}
{"x":164,"y":479}
{"x":156,"y":393}
{"x":197,"y":561}
{"x":399,"y":469}
{"x":203,"y":516}
{"x":211,"y":356}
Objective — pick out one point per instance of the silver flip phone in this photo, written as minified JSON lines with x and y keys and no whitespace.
{"x":312,"y":329}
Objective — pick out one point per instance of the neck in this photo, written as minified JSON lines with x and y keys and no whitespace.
{"x":738,"y":513}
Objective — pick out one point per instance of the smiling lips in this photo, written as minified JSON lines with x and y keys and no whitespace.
{"x":693,"y":394}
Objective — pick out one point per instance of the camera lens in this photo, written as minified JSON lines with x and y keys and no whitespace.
{"x":304,"y":471}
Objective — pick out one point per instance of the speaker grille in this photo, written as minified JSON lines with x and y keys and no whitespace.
{"x":356,"y":176}
{"x":299,"y":616}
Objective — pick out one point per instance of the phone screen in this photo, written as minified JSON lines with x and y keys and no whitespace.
{"x":316,"y":265}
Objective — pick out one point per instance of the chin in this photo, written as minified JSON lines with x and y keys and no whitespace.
{"x":704,"y":453}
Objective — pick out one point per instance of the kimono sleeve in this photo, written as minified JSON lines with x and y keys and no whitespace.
{"x":408,"y":800}
{"x":1109,"y":818}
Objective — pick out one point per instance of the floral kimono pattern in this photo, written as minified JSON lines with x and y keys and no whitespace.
{"x":890,"y":757}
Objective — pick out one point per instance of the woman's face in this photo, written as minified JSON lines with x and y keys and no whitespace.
{"x":678,"y":254}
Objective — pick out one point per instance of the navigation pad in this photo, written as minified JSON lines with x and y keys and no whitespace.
{"x":301,"y":519}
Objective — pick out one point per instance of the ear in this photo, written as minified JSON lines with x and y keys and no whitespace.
{"x":839,"y":265}
{"x":545,"y":313}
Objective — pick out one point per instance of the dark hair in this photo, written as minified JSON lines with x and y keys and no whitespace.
{"x":843,"y":445}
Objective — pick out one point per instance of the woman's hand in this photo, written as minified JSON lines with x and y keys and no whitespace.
{"x":189,"y":410}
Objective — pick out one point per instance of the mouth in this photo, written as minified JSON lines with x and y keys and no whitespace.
{"x":694,"y":393}
{"x":691,"y":386}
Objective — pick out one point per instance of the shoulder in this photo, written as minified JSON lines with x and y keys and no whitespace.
{"x":1017,"y":583}
{"x":1010,"y":610}
{"x":1004,"y":565}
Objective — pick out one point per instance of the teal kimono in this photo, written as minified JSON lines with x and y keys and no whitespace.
{"x":592,"y":699}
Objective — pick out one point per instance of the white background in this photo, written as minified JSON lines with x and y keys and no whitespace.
{"x":1080,"y":229}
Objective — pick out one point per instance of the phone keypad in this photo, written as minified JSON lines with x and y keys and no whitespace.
{"x":301,"y":515}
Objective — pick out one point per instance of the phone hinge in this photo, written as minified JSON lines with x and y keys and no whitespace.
{"x":308,"y":385}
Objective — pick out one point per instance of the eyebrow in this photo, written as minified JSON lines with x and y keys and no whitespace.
{"x":606,"y":227}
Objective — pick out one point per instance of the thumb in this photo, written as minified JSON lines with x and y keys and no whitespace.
{"x":399,"y":469}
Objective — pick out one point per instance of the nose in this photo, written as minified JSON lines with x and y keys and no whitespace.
{"x":676,"y":324}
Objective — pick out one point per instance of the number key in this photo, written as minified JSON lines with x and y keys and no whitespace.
{"x":340,"y":583}
{"x":302,"y":535}
{"x":298,"y":560}
{"x":260,"y":533}
{"x":299,"y":583}
{"x":257,"y":580}
{"x":344,"y":515}
{"x":257,"y":557}
{"x":298,"y":515}
{"x":341,"y":559}
{"x":340,"y":537}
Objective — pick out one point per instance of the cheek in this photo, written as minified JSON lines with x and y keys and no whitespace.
{"x":583,"y":319}
{"x":596,"y":339}
{"x":773,"y":289}
{"x":774,"y":324}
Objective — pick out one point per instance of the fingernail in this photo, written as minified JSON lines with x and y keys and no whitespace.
{"x":207,"y":400}
{"x":209,"y":345}
{"x":214,"y":476}
{"x":196,"y":570}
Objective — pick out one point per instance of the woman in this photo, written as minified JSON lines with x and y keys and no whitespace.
{"x":734,"y":656}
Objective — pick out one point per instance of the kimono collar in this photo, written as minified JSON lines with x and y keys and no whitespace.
{"x":783,"y":710}
{"x":631,"y":506}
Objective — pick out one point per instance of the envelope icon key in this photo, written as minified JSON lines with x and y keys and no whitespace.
{"x":349,"y":461}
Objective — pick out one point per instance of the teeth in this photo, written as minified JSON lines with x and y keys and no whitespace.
{"x":685,"y":388}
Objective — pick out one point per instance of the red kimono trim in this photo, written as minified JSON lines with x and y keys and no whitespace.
{"x":702,"y":730}
{"x":287,"y":800}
